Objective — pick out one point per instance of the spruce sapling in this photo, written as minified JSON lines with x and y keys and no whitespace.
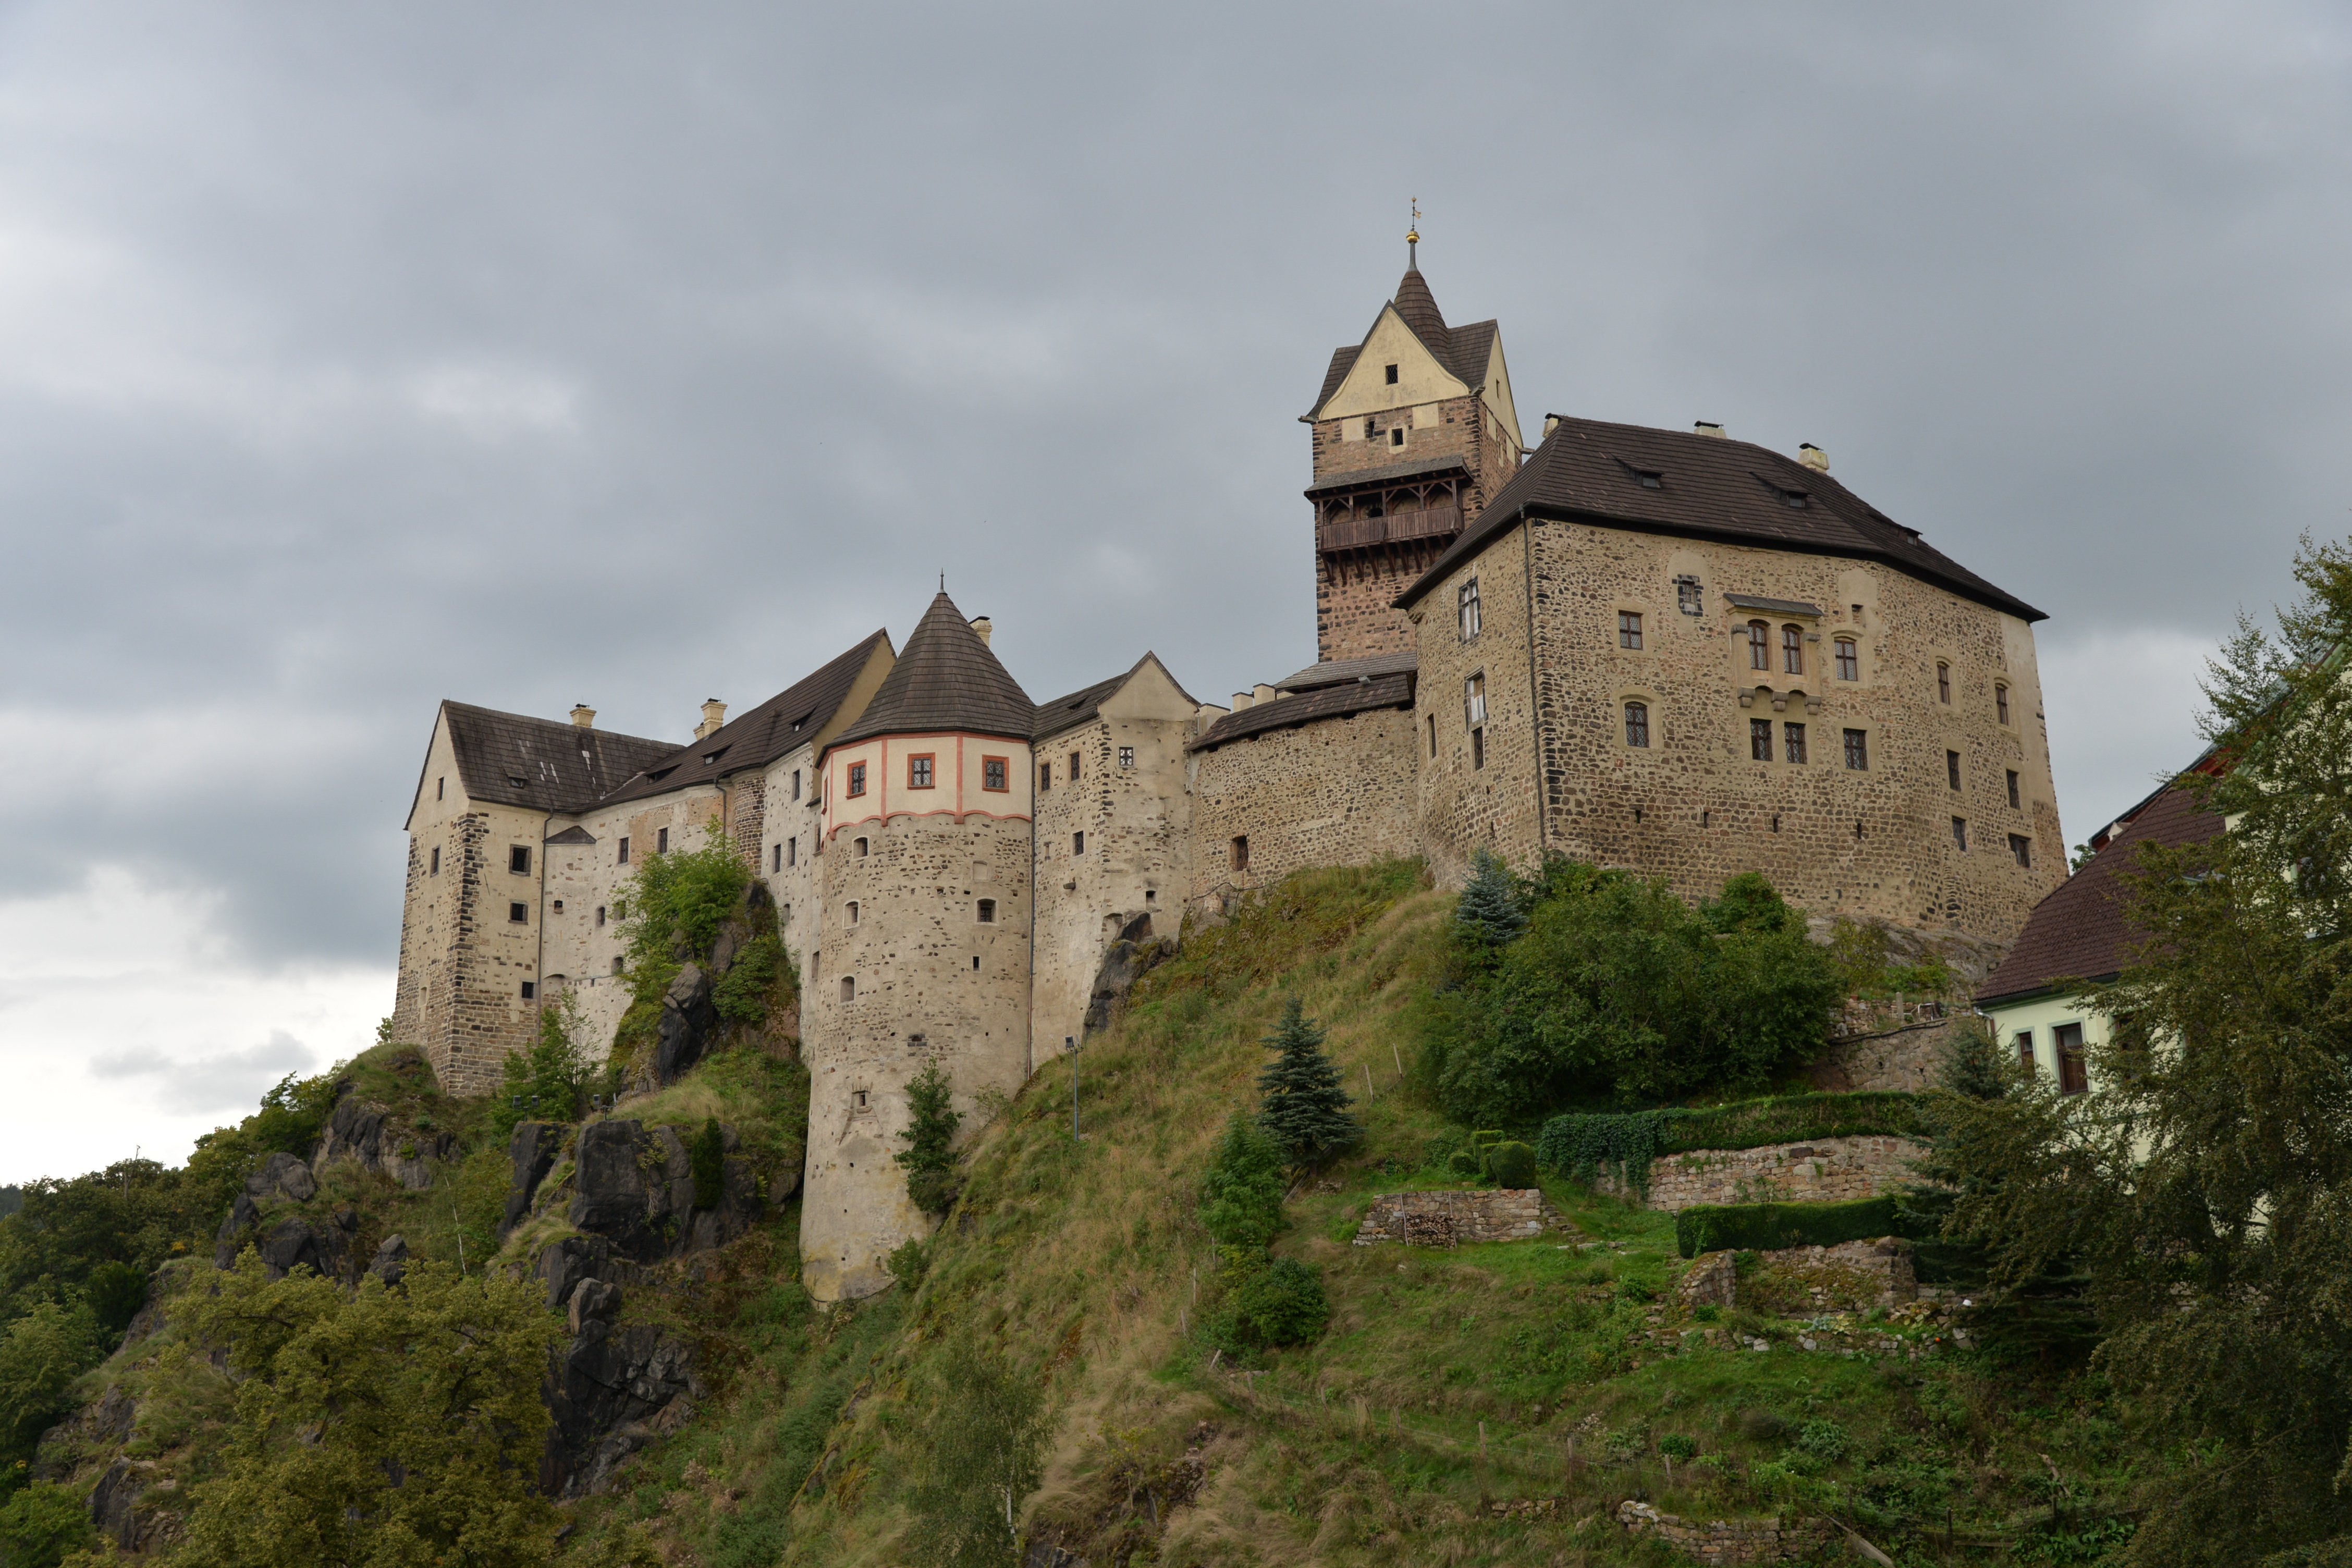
{"x":1306,"y":1109}
{"x":1490,"y":913}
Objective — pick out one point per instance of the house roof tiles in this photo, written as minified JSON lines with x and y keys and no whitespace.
{"x":1287,"y":713}
{"x":946,"y":679}
{"x":541,"y":765}
{"x":1464,"y":349}
{"x":1340,"y":671}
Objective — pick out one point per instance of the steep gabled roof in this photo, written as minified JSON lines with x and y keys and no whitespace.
{"x":1710,"y":487}
{"x":1289,"y":712}
{"x":2080,"y":931}
{"x":946,"y":679}
{"x":541,"y":765}
{"x":1080,"y":706}
{"x":794,"y":715}
{"x":1463,"y":351}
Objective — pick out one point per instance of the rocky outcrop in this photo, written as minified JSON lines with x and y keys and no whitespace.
{"x":633,"y":1189}
{"x":610,"y":1391}
{"x":358,"y":1129}
{"x":533,"y":1150}
{"x":1136,"y":953}
{"x":1739,"y":1540}
{"x":391,"y":1263}
{"x":689,"y":1019}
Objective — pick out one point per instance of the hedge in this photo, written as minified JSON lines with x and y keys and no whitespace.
{"x":1624,"y":1142}
{"x":1768,"y":1228}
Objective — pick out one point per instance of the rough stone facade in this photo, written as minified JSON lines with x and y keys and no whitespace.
{"x":1449,"y":1218}
{"x":1727,"y":1541}
{"x":1827,"y":1170}
{"x":1333,"y":792}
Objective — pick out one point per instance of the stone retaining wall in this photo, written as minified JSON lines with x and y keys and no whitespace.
{"x":1826,"y":1170}
{"x":1448,"y":1218}
{"x":1727,"y":1540}
{"x":1800,"y":1282}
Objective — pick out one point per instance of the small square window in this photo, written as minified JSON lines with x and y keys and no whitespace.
{"x":1241,"y":853}
{"x":1760,"y":740}
{"x":519,"y":860}
{"x":530,"y":990}
{"x":559,"y":906}
{"x":1466,"y":604}
{"x":436,"y":864}
{"x":1637,"y":723}
{"x":992,"y":774}
{"x":1629,"y":629}
{"x":2012,"y":789}
{"x":1793,"y":736}
{"x":987,"y":912}
{"x":1126,"y":756}
{"x":1392,"y":375}
{"x":1960,"y":834}
{"x":624,"y":852}
{"x":1078,"y":843}
{"x":1952,"y":769}
{"x":518,"y":915}
{"x":919,"y":771}
{"x":1396,"y":436}
{"x":857,"y":778}
{"x":2020,"y":849}
{"x":661,"y":841}
{"x":1857,"y":750}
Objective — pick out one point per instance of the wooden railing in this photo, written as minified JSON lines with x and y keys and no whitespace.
{"x":1360,"y":533}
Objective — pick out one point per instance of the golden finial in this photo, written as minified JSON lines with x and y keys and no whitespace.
{"x":1412,"y":238}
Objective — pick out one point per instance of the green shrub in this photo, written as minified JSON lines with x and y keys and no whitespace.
{"x":41,"y":1523}
{"x":761,"y":975}
{"x":1770,"y":1228}
{"x":1622,"y":1143}
{"x":1463,"y":1163}
{"x":928,"y":1159}
{"x":1438,"y":1153}
{"x":1282,"y":1304}
{"x":115,"y":1292}
{"x":1675,"y":1446}
{"x":672,"y":906}
{"x":1511,"y":1165}
{"x":546,"y":1080}
{"x":1241,"y":1193}
{"x":1824,"y":1440}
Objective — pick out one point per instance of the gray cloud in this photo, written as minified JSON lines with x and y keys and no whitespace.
{"x":226,"y":1080}
{"x":535,"y":354}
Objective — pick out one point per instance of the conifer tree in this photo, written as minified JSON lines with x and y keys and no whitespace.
{"x":929,"y":1158}
{"x":1305,"y":1109}
{"x":1490,"y":913}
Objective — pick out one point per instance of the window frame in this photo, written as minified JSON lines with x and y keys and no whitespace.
{"x":1474,"y":698}
{"x":1847,"y":654}
{"x":1760,"y":741}
{"x":2020,"y":849}
{"x":1795,"y":746}
{"x":791,"y":851}
{"x":1857,"y":750}
{"x":998,"y":768}
{"x":434,"y":867}
{"x":1759,"y":646}
{"x":1636,"y":715}
{"x":1239,"y":850}
{"x":1126,"y":756}
{"x":2073,"y":1071}
{"x":855,"y":786}
{"x":2023,"y":1041}
{"x":1075,"y":770}
{"x":983,"y":912}
{"x":517,"y":912}
{"x":661,"y":840}
{"x":922,"y":770}
{"x":1960,"y":834}
{"x":1792,"y":650}
{"x":1469,"y":618}
{"x":1079,"y":841}
{"x":1952,"y":769}
{"x":2001,"y":702}
{"x":1944,"y":682}
{"x":1629,"y":631}
{"x":518,"y":860}
{"x":622,"y":858}
{"x":1478,"y":749}
{"x":797,"y":784}
{"x":1045,"y":777}
{"x":860,"y":849}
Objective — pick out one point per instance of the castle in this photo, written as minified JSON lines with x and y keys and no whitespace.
{"x":1668,"y":651}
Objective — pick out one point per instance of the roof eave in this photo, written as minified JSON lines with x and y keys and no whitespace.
{"x":2074,"y":986}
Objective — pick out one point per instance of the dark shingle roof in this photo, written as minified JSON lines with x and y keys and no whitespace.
{"x":1339,"y":672}
{"x":759,"y":737}
{"x":2080,"y":932}
{"x":1464,"y":351}
{"x":1079,"y":706}
{"x":946,"y":679}
{"x":541,"y":765}
{"x":1289,"y":712}
{"x":1710,"y":487}
{"x":1412,"y":468}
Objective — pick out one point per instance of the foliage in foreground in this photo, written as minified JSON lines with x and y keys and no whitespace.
{"x":929,"y":1158}
{"x":986,"y":1454}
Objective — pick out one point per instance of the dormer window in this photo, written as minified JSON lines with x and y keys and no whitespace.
{"x":710,"y":757}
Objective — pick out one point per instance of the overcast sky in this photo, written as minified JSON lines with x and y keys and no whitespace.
{"x":352,"y":358}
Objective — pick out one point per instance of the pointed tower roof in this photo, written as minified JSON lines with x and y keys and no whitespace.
{"x":946,"y":678}
{"x":1419,"y":308}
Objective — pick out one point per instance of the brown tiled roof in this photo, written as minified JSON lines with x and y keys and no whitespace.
{"x":1412,"y":468}
{"x":1289,"y":712}
{"x":1710,"y":487}
{"x":2079,"y":931}
{"x":541,"y":765}
{"x":1339,"y":672}
{"x":1080,"y":706}
{"x":761,"y":735}
{"x":946,"y":679}
{"x":1464,"y":351}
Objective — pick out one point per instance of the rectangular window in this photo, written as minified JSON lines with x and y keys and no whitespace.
{"x":793,"y":850}
{"x":1074,"y":767}
{"x":1126,"y":756}
{"x":1759,"y":646}
{"x":1849,"y":661}
{"x":440,"y":789}
{"x":1392,"y":375}
{"x":776,"y":858}
{"x":919,"y":771}
{"x":1686,"y":597}
{"x":1792,"y":650}
{"x":1045,"y":777}
{"x":1077,"y":843}
{"x":2000,"y":701}
{"x":1473,"y":700}
{"x":518,"y":915}
{"x":1960,"y":834}
{"x":2025,"y":1049}
{"x":993,"y":773}
{"x":624,"y":851}
{"x":2072,"y":1079}
{"x":519,"y":860}
{"x":600,"y":914}
{"x":661,"y":841}
{"x":1477,"y":748}
{"x":857,"y":778}
{"x":1396,"y":436}
{"x":1241,"y":853}
{"x":436,"y":864}
{"x":618,"y":964}
{"x":1629,"y":629}
{"x":1857,"y":750}
{"x":1944,"y":683}
{"x":1637,"y":723}
{"x":1759,"y":738}
{"x":1433,"y":751}
{"x":1793,"y":735}
{"x":2012,"y":789}
{"x":849,"y":994}
{"x":797,"y":784}
{"x":1469,"y":608}
{"x":1952,"y":769}
{"x":2022,"y":849}
{"x":988,"y":911}
{"x":529,"y":991}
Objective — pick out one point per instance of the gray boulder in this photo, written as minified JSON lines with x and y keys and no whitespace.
{"x":565,"y":1264}
{"x":610,"y":1391}
{"x":609,"y":1192}
{"x":391,"y":1264}
{"x":689,"y":1027}
{"x":1136,"y":953}
{"x":291,"y":1242}
{"x":533,"y":1150}
{"x":595,"y":1301}
{"x":282,"y":1175}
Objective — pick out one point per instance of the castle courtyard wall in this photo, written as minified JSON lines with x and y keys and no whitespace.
{"x":1334,"y":791}
{"x":1475,"y":782}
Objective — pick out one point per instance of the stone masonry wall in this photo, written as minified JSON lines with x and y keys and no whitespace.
{"x":1827,"y":1170}
{"x":1338,"y":792}
{"x":1477,"y":779}
{"x":1447,"y":1218}
{"x":1722,"y":1540}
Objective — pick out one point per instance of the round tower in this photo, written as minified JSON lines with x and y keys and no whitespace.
{"x":924,"y":933}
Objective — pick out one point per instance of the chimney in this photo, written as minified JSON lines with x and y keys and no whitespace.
{"x":985,"y":626}
{"x":1243,"y":700}
{"x":1262,"y":692}
{"x":584,"y":715}
{"x":1708,"y":427}
{"x":714,"y":713}
{"x":1813,"y":458}
{"x":1551,"y":423}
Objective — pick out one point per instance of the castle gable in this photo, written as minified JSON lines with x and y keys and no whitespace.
{"x":1422,"y":377}
{"x":1145,"y":690}
{"x":539,"y":764}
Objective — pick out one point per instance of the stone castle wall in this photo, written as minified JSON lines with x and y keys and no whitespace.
{"x":1826,"y":1170}
{"x":1447,"y":1218}
{"x":1477,"y":781}
{"x":1337,"y":792}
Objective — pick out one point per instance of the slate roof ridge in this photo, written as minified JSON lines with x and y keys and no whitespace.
{"x":562,"y":765}
{"x":1289,"y":712}
{"x":946,"y":679}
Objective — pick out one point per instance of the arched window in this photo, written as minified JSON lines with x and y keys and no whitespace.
{"x":1759,"y":646}
{"x":1792,"y":650}
{"x":853,"y":912}
{"x":1849,"y":661}
{"x":2000,"y":700}
{"x":1637,"y":723}
{"x":859,"y":845}
{"x":1943,"y":682}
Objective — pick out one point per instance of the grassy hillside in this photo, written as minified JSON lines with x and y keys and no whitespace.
{"x":1449,"y":1386}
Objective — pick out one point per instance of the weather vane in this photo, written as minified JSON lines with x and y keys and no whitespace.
{"x":1413,"y":237}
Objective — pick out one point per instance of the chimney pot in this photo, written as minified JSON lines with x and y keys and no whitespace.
{"x":985,"y":626}
{"x":714,"y":715}
{"x":584,"y":715}
{"x":1709,"y":428}
{"x":1813,"y":458}
{"x":1551,"y":423}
